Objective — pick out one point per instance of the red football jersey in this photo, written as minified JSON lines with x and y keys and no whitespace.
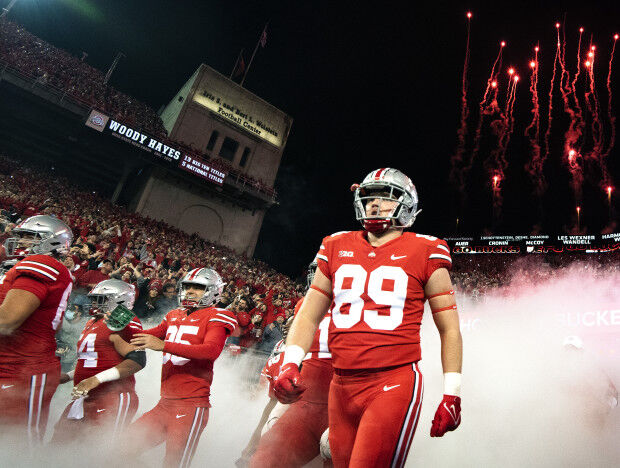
{"x":31,"y":349}
{"x":378,"y":296}
{"x":183,"y":378}
{"x":272,"y":369}
{"x":319,"y":348}
{"x":96,"y":353}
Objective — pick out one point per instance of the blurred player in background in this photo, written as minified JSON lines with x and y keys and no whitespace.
{"x":104,"y":394}
{"x":191,"y":338}
{"x":33,"y":298}
{"x":294,"y":439}
{"x":273,"y":409}
{"x":377,"y":280}
{"x":592,"y":392}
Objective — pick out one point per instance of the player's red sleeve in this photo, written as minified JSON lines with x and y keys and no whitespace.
{"x":322,"y":259}
{"x":37,"y":270}
{"x":135,"y":326}
{"x":438,"y":256}
{"x":159,"y":331}
{"x":223,"y":318}
{"x":26,"y":283}
{"x":210,"y":349}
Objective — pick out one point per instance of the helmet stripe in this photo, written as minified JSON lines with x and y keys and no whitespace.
{"x":379,"y":173}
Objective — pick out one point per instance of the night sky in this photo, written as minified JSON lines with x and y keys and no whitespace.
{"x":367,"y":87}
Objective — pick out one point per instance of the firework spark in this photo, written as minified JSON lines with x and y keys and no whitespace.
{"x":457,"y":160}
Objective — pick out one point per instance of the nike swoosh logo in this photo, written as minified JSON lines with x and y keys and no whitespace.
{"x":386,"y":388}
{"x":452,"y":412}
{"x":181,"y":415}
{"x":394,"y":257}
{"x":100,"y":410}
{"x":7,"y":386}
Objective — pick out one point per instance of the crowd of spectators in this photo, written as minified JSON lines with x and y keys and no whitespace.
{"x":51,"y":66}
{"x":111,"y":242}
{"x":476,"y":275}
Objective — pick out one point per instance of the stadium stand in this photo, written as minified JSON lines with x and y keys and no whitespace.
{"x":52,"y":67}
{"x":141,"y":251}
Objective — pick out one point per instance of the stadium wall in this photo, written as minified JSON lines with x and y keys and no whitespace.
{"x":215,"y":109}
{"x":183,"y":206}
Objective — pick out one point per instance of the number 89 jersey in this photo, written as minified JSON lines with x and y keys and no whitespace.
{"x":378,"y":296}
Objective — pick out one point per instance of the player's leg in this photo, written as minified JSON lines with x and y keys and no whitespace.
{"x":389,"y":421}
{"x":294,"y":439}
{"x":148,"y":431}
{"x":185,"y":426}
{"x":344,"y":415}
{"x":67,"y":430}
{"x":25,"y":403}
{"x":126,"y":406}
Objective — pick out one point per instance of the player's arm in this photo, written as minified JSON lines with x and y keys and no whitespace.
{"x":288,"y":386}
{"x":249,"y":450}
{"x":313,"y":309}
{"x":17,"y":306}
{"x":438,"y":290}
{"x":446,"y":319}
{"x":210,"y":348}
{"x":159,"y":331}
{"x":120,"y":371}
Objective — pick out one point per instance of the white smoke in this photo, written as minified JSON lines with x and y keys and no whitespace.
{"x":527,"y":401}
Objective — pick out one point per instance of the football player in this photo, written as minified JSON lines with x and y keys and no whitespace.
{"x":33,"y":298}
{"x":294,"y":439}
{"x":273,"y":409}
{"x":191,"y":338}
{"x":104,"y":394}
{"x":378,"y":280}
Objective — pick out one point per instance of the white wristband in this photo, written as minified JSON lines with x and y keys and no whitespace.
{"x":452,"y":383}
{"x":71,"y":373}
{"x":108,"y":375}
{"x":294,"y":354}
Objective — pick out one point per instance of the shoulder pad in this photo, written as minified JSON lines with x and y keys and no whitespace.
{"x":38,"y":269}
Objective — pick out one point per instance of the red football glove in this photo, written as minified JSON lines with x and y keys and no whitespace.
{"x":288,"y":386}
{"x":447,"y":417}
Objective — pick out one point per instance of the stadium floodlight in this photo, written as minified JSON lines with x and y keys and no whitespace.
{"x":6,"y":9}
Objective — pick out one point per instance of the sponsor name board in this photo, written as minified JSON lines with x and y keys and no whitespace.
{"x":161,"y":150}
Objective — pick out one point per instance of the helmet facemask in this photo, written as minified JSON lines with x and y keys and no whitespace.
{"x":384,"y":192}
{"x":24,"y":244}
{"x":209,"y":296}
{"x":205,"y":278}
{"x":100,"y":305}
{"x":311,"y":272}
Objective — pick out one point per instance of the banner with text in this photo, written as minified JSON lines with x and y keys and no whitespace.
{"x":161,"y":150}
{"x":535,"y":244}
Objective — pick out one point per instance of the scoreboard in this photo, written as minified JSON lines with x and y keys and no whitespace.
{"x":535,"y":244}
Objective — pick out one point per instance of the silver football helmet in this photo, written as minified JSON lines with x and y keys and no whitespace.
{"x":108,"y":294}
{"x":40,"y":234}
{"x":391,"y":185}
{"x":311,"y":272}
{"x":213,"y":286}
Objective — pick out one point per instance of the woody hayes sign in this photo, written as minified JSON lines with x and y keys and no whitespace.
{"x":161,"y":150}
{"x":143,"y":140}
